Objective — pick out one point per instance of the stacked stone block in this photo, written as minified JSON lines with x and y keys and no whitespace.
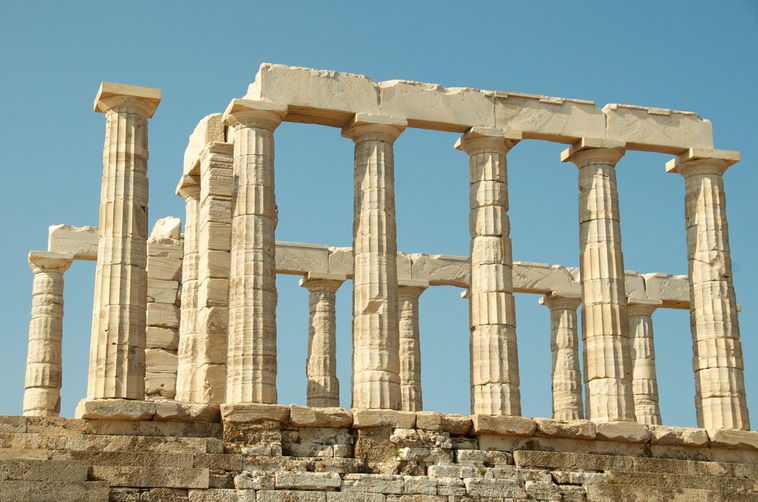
{"x":284,"y":453}
{"x":213,"y":262}
{"x":165,"y":252}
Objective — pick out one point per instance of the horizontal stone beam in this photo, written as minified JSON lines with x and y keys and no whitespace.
{"x":81,"y":242}
{"x":438,"y":270}
{"x":332,"y":98}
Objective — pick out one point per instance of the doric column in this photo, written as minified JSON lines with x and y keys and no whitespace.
{"x":189,"y":190}
{"x":408,"y":294}
{"x":642,"y":352}
{"x":492,"y":319}
{"x":117,"y":351}
{"x":214,"y":245}
{"x":42,"y":388}
{"x":564,"y":345}
{"x":321,"y":366}
{"x":251,"y":361}
{"x":719,"y":370}
{"x":376,"y":364}
{"x":605,"y":325}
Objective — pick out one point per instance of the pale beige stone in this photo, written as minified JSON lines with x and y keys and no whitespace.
{"x":315,"y":96}
{"x":733,"y":438}
{"x":376,"y":364}
{"x":44,"y":369}
{"x":623,"y":431}
{"x":447,"y":422}
{"x":172,"y":411}
{"x":78,"y":241}
{"x":208,"y":130}
{"x":378,"y":418}
{"x":719,"y":387}
{"x":605,"y":330}
{"x":576,"y":429}
{"x":431,"y":106}
{"x":410,"y":345}
{"x":251,"y":364}
{"x":642,"y":354}
{"x":250,"y":412}
{"x":321,"y":366}
{"x":115,"y":409}
{"x":676,"y":436}
{"x":657,"y":129}
{"x":492,"y":316}
{"x":303,"y":416}
{"x":502,"y":425}
{"x":672,"y":290}
{"x":117,"y":364}
{"x":189,"y":190}
{"x":296,"y":258}
{"x":564,"y":346}
{"x":308,"y":480}
{"x":550,"y":118}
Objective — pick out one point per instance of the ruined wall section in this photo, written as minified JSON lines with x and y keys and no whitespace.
{"x":287,"y":453}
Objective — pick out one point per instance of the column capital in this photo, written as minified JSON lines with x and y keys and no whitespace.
{"x":188,"y":187}
{"x":364,"y":125}
{"x":122,"y":97}
{"x":561,"y":300}
{"x":642,"y":306}
{"x":411,"y":288}
{"x":315,"y":281}
{"x":258,"y":114}
{"x":47,"y":261}
{"x":592,"y":150}
{"x":488,"y":137}
{"x":702,"y":161}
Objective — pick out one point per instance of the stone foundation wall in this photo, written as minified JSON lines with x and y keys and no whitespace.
{"x":292,"y":453}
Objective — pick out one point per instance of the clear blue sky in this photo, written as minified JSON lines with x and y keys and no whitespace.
{"x":698,"y":56}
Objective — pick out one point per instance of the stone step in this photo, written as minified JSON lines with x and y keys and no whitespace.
{"x":54,"y":491}
{"x":40,"y":441}
{"x":43,"y":470}
{"x":593,"y":462}
{"x":150,"y":477}
{"x":678,"y":481}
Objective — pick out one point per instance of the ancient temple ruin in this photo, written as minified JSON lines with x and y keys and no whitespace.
{"x":184,"y":326}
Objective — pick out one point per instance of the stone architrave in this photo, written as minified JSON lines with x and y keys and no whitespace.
{"x":494,"y":351}
{"x":321,"y":366}
{"x":189,"y":190}
{"x":376,"y":364}
{"x":251,"y":360}
{"x":642,"y":353}
{"x":214,"y":261}
{"x":42,"y":387}
{"x":117,"y":351}
{"x":564,"y":346}
{"x":605,"y":325}
{"x":408,"y":294}
{"x":719,"y":369}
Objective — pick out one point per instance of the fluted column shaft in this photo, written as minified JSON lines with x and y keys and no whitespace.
{"x":214,"y":246}
{"x":251,"y":362}
{"x":410,"y":345}
{"x":321,"y":366}
{"x":564,"y":346}
{"x":605,"y":325}
{"x":376,"y":364}
{"x":189,"y":190}
{"x":492,"y":312}
{"x":117,"y":351}
{"x":642,"y":352}
{"x":42,"y":387}
{"x":717,"y":360}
